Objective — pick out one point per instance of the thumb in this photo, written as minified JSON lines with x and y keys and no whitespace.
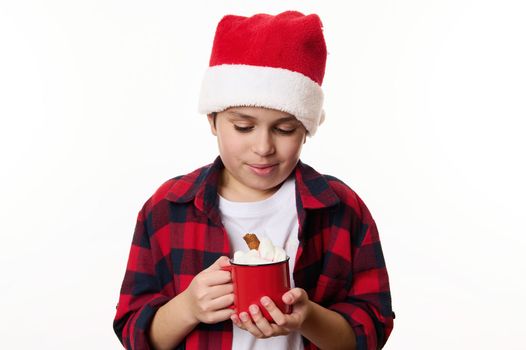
{"x":219,"y":263}
{"x":294,"y":296}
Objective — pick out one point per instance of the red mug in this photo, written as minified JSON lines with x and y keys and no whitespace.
{"x":252,"y":282}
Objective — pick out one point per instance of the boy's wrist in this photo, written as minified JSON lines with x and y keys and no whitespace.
{"x":172,"y":322}
{"x":185,"y":311}
{"x":179,"y":307}
{"x":310,"y":309}
{"x":326,"y":328}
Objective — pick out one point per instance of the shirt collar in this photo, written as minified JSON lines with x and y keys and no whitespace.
{"x":312,"y":189}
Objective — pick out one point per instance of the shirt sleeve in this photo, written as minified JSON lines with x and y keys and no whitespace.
{"x":140,"y":296}
{"x":367,"y":306}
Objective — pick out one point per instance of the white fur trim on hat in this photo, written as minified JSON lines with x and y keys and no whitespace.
{"x":235,"y":85}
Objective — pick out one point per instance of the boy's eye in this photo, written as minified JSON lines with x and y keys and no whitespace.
{"x":279,"y":130}
{"x":243,"y":128}
{"x":285,"y":131}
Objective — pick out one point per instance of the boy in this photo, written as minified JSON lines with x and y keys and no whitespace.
{"x":262,"y":94}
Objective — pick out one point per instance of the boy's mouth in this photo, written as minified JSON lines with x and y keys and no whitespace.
{"x":262,"y":169}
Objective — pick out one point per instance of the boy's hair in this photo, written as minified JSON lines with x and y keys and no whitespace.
{"x":214,"y":117}
{"x":276,"y":62}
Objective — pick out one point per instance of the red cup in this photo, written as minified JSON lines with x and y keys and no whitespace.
{"x":252,"y":282}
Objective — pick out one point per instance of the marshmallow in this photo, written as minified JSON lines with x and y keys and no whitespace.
{"x":267,"y":253}
{"x":266,"y":249}
{"x":279,"y":254}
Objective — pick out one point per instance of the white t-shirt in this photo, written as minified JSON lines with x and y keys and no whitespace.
{"x":276,"y":218}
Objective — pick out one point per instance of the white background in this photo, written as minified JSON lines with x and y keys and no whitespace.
{"x":425,"y":104}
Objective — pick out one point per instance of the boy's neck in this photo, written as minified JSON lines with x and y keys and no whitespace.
{"x":232,"y":190}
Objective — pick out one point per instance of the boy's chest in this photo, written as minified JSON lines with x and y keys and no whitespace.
{"x":191,"y":242}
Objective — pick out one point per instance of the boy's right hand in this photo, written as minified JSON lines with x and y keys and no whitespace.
{"x":210,"y":293}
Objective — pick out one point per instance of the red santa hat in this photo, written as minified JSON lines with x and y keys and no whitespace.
{"x":268,"y":61}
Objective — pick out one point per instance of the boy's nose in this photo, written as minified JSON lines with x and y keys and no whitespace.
{"x":263,"y":144}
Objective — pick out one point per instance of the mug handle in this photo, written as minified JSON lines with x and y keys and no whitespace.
{"x":229,"y":269}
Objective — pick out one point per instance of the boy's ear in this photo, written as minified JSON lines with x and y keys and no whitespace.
{"x":211,"y":120}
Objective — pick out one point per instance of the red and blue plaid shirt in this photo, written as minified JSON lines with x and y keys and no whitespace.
{"x":179,"y":233}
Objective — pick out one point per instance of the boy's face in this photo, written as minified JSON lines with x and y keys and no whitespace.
{"x":259,"y":148}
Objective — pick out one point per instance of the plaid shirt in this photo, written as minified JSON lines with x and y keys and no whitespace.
{"x":179,"y":233}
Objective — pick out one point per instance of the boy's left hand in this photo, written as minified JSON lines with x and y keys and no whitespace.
{"x":259,"y":327}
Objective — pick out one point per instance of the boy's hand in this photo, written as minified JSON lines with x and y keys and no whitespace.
{"x":211,"y":293}
{"x":259,"y":327}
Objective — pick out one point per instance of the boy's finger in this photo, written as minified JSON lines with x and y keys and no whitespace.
{"x":220,"y":262}
{"x":294,"y":295}
{"x":223,"y":302}
{"x":219,"y":290}
{"x":274,"y":311}
{"x":249,"y":326}
{"x":213,"y":278}
{"x":223,"y":261}
{"x":220,"y":315}
{"x":261,"y":322}
{"x":235,"y":320}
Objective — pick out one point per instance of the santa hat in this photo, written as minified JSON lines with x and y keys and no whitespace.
{"x":268,"y":61}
